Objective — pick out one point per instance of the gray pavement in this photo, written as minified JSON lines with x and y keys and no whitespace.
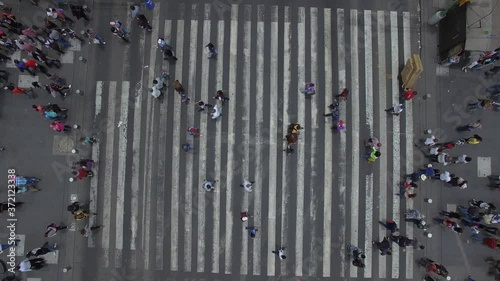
{"x":160,"y":224}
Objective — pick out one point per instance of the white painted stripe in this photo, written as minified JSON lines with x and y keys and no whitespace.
{"x":218,"y":141}
{"x":369,"y":122}
{"x":368,"y":225}
{"x":202,"y":151}
{"x":188,"y":208}
{"x":382,"y":117}
{"x":395,"y":134}
{"x":368,"y":71}
{"x":174,"y":213}
{"x":95,"y":156}
{"x":152,"y":127}
{"x":314,"y":104}
{"x":299,"y":225}
{"x":162,"y":142}
{"x":257,"y":192}
{"x":328,"y":167}
{"x":354,"y":202}
{"x":233,"y":52}
{"x":98,"y":99}
{"x":287,"y":84}
{"x":122,"y":165}
{"x":247,"y":42}
{"x":343,"y":142}
{"x":273,"y":148}
{"x":107,"y":188}
{"x":136,"y":161}
{"x":408,"y":142}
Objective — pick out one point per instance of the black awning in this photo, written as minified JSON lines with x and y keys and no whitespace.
{"x":452,"y":31}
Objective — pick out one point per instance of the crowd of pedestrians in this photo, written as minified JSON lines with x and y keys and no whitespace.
{"x":54,"y":37}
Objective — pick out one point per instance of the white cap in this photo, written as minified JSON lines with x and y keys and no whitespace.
{"x":448,"y":278}
{"x":244,"y":218}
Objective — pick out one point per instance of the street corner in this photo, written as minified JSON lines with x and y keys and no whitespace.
{"x":62,"y":145}
{"x":26,"y":80}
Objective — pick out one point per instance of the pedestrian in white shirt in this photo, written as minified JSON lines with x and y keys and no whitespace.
{"x":280,"y":253}
{"x":395,"y":110}
{"x":463,"y":159}
{"x":29,"y":265}
{"x":247,"y":185}
{"x":446,"y":176}
{"x":430,"y":141}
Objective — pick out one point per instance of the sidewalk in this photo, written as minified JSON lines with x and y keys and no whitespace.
{"x":34,"y":149}
{"x":451,"y":89}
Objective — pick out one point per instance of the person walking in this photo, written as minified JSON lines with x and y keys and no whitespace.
{"x":38,"y":108}
{"x":53,"y":228}
{"x":29,"y":48}
{"x":136,"y":11}
{"x":247,"y":185}
{"x":19,"y":91}
{"x":252,"y":231}
{"x":357,"y":256}
{"x":373,"y":155}
{"x":220,"y":96}
{"x":194,"y":131}
{"x":471,"y":126}
{"x":79,"y":12}
{"x":409,"y":94}
{"x":211,"y":51}
{"x":21,"y":65}
{"x":83,"y":173}
{"x":280,"y":252}
{"x":59,"y":89}
{"x":202,"y":106}
{"x":88,"y":230}
{"x":169,"y":55}
{"x":480,"y":104}
{"x":30,"y":33}
{"x":49,"y":43}
{"x":395,"y":110}
{"x":187,"y":147}
{"x":178,"y":87}
{"x":30,"y":265}
{"x":56,"y":36}
{"x":59,"y":14}
{"x":476,"y":139}
{"x":60,"y":127}
{"x":343,"y":94}
{"x":401,"y":240}
{"x":384,"y":246}
{"x":244,"y":216}
{"x":144,"y":23}
{"x":309,"y":89}
{"x":32,"y":64}
{"x":463,"y":159}
{"x":391,"y":225}
{"x":40,"y":251}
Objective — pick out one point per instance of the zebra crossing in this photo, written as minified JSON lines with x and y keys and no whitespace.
{"x":315,"y":202}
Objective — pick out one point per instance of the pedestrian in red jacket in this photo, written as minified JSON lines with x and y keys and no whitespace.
{"x":409,"y":94}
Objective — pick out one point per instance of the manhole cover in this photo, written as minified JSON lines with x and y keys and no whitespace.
{"x":62,"y":145}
